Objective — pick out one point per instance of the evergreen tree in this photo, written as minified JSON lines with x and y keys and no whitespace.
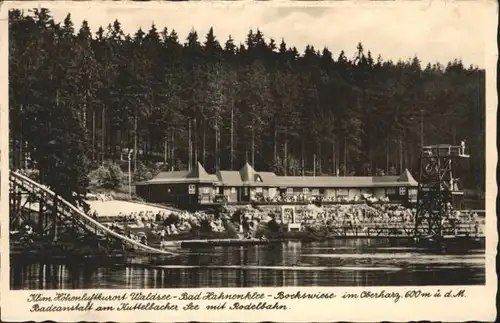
{"x":179,"y":102}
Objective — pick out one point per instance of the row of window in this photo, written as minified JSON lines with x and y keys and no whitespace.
{"x":305,"y":190}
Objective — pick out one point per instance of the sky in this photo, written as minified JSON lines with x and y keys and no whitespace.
{"x":436,"y":31}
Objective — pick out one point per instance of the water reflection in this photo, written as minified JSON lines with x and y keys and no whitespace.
{"x":334,"y":263}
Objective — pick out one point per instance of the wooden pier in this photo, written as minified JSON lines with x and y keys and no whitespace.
{"x":305,"y":237}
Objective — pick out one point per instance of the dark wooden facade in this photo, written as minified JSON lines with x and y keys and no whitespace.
{"x":197,"y":188}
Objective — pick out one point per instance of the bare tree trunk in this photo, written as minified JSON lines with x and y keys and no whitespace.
{"x":85,"y":110}
{"x":348,"y":161}
{"x":319,"y":159}
{"x":421,"y":128}
{"x":346,"y":170}
{"x":121,"y":143}
{"x":21,"y":151}
{"x":275,"y":140}
{"x":103,"y":133}
{"x":135,"y":142}
{"x":337,"y":157}
{"x":217,"y":147}
{"x":232,"y":136}
{"x":190,"y":147}
{"x":314,"y":165}
{"x":370,"y":153}
{"x":165,"y":149}
{"x":196,"y":142}
{"x":333,"y":159}
{"x":302,"y":156}
{"x":286,"y":152}
{"x":110,"y":139}
{"x":204,"y":142}
{"x":93,"y":135}
{"x":172,"y":155}
{"x":387,"y":154}
{"x":400,"y":154}
{"x":406,"y":157}
{"x":253,"y":146}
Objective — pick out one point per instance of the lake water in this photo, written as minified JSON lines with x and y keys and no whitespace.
{"x":360,"y":262}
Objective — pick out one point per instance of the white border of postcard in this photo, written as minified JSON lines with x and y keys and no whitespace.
{"x":475,"y":303}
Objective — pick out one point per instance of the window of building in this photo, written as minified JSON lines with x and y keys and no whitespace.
{"x":305,"y":190}
{"x":245,"y":191}
{"x":289,"y":190}
{"x":343,"y":192}
{"x":402,"y":191}
{"x":233,"y":190}
{"x":315,"y":191}
{"x":258,"y":178}
{"x":258,"y":189}
{"x":192,"y":189}
{"x":391,"y":191}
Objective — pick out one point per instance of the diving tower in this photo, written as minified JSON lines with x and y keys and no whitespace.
{"x":437,"y":187}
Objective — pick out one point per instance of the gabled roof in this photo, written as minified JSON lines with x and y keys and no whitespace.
{"x":197,"y":175}
{"x":406,"y":177}
{"x":199,"y":172}
{"x":248,"y":176}
{"x":168,"y":177}
{"x":229,"y":177}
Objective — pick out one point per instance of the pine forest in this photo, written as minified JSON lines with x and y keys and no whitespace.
{"x":80,"y":98}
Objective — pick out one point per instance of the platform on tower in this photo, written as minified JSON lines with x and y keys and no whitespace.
{"x":445,"y":151}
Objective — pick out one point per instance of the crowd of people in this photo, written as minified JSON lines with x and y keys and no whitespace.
{"x":307,"y":198}
{"x":161,"y":224}
{"x":358,"y":219}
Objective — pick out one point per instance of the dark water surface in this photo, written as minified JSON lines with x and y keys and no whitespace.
{"x":335,"y":263}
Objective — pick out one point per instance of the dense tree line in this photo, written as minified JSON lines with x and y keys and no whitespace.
{"x":75,"y":93}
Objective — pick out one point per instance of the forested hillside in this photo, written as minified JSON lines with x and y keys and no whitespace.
{"x":79,"y":98}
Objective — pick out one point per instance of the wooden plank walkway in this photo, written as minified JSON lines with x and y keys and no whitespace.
{"x":253,"y":242}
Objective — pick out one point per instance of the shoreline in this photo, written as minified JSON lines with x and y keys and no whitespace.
{"x":101,"y":256}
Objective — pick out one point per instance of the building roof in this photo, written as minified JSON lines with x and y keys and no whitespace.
{"x":247,"y":173}
{"x":406,"y":177}
{"x":247,"y":176}
{"x":267,"y":176}
{"x":197,"y":175}
{"x":335,"y":181}
{"x":198,"y":172}
{"x":174,"y":174}
{"x":229,"y":177}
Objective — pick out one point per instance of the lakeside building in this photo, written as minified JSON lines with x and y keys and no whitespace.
{"x":198,"y":188}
